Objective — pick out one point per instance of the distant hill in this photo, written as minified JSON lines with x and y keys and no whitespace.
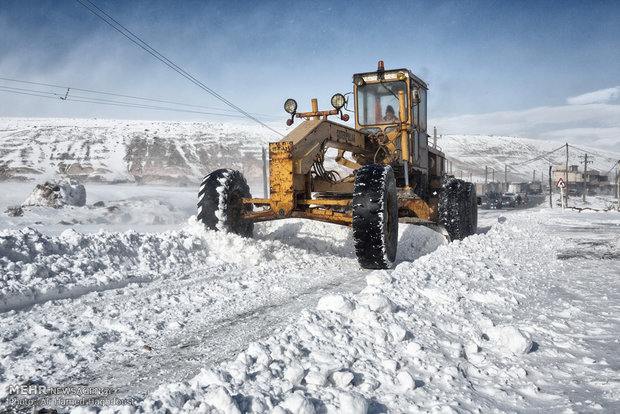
{"x":471,"y":153}
{"x":153,"y":152}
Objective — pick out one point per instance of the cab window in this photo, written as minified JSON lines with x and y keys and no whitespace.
{"x":377,"y":103}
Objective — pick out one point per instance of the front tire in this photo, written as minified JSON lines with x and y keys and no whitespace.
{"x":220,"y":204}
{"x":375,"y":216}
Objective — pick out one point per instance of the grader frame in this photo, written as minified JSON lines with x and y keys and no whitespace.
{"x":291,"y":160}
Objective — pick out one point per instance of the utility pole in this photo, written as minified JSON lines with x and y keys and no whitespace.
{"x":435,"y":137}
{"x":533,"y":175}
{"x":550,"y":188}
{"x":618,"y":184}
{"x":585,"y":176}
{"x":566,"y":176}
{"x":506,"y":177}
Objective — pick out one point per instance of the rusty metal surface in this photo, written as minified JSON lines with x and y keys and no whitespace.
{"x":323,"y":186}
{"x":281,"y":177}
{"x":326,"y":215}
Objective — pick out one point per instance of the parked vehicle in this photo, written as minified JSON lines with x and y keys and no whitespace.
{"x":490,"y":202}
{"x":509,"y":201}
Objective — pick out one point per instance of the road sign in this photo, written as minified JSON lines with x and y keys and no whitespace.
{"x":560,"y":183}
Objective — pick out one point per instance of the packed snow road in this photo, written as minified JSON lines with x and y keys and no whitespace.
{"x":521,"y":317}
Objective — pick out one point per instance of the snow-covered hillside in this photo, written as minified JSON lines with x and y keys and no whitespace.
{"x":126,"y":151}
{"x":176,"y":153}
{"x":521,"y":156}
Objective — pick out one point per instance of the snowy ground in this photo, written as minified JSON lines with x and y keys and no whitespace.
{"x":522,"y":317}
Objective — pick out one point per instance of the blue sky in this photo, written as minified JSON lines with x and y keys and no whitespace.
{"x":538,"y":69}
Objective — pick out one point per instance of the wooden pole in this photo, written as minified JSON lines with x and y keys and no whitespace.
{"x":585,"y":177}
{"x":566,"y":175}
{"x":550,"y":189}
{"x":618,"y":184}
{"x":486,"y":179}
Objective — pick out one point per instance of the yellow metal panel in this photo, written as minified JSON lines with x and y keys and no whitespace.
{"x":326,"y":202}
{"x":307,"y":140}
{"x":281,"y":177}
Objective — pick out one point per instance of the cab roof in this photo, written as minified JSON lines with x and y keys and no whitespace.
{"x":414,"y":78}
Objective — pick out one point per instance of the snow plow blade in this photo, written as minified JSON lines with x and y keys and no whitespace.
{"x":431,"y":225}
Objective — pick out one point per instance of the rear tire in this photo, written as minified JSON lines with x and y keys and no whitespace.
{"x":453,"y":208}
{"x":472,"y":208}
{"x":219,"y":202}
{"x":375,"y":216}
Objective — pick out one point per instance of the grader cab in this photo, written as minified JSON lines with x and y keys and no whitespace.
{"x":387,"y":173}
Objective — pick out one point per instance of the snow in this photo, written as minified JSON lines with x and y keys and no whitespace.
{"x":137,"y":298}
{"x":57,"y":194}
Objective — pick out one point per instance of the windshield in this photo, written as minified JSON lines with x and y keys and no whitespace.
{"x":377,"y":103}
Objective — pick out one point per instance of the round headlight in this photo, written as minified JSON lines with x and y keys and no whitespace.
{"x":290,"y":106}
{"x":338,"y":101}
{"x":400,"y":76}
{"x":358,"y":80}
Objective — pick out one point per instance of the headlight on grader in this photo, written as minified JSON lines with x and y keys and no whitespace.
{"x":290,"y":106}
{"x":338,"y":101}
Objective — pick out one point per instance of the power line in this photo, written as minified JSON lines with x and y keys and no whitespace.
{"x":540,"y":156}
{"x":579,"y":149}
{"x":28,"y":93}
{"x":612,"y":167}
{"x":86,"y":99}
{"x":120,"y":95}
{"x":152,"y":51}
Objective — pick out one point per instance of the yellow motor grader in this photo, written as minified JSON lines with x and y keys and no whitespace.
{"x":388,"y":172}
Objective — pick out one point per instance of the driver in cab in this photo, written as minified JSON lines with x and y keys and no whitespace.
{"x":389,"y":117}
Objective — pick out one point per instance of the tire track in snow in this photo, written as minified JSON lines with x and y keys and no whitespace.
{"x":201,"y":281}
{"x":182,"y":357}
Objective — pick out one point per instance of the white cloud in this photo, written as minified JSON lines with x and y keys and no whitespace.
{"x":599,"y":123}
{"x":607,"y":138}
{"x":600,"y":96}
